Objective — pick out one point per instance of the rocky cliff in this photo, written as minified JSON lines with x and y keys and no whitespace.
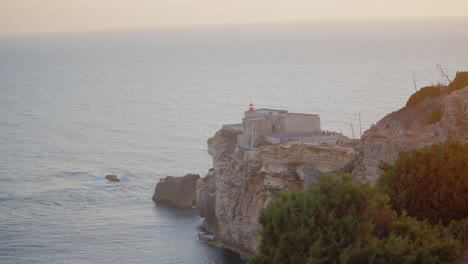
{"x":177,"y":191}
{"x":433,"y":120}
{"x":243,"y":181}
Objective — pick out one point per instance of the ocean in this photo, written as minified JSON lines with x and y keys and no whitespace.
{"x":142,"y":103}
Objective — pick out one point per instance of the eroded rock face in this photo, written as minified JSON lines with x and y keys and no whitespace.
{"x":242,"y":182}
{"x":409,"y":128}
{"x":177,"y":191}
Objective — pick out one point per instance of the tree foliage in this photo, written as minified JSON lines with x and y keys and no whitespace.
{"x":429,"y":183}
{"x":343,"y":221}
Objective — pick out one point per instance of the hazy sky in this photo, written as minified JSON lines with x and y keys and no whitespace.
{"x":24,"y":16}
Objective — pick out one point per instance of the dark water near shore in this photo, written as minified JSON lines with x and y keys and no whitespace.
{"x":77,"y":217}
{"x":141,"y":104}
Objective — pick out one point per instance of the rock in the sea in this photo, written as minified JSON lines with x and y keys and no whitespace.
{"x":177,"y":191}
{"x":112,"y":178}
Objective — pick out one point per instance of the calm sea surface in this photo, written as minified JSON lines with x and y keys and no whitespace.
{"x":141,"y":104}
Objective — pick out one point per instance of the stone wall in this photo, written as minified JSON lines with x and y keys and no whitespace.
{"x":264,"y":112}
{"x":255,"y":130}
{"x":302,"y":122}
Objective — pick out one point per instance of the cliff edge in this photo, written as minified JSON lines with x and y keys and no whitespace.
{"x":243,"y":181}
{"x":433,"y":120}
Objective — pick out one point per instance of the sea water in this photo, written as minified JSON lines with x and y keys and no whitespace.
{"x":141,"y":104}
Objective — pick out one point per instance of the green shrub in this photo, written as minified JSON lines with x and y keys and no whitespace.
{"x":422,"y":94}
{"x":458,"y":230}
{"x":431,"y":182}
{"x":409,"y":241}
{"x":343,"y":221}
{"x":436,"y":116}
{"x":460,"y":82}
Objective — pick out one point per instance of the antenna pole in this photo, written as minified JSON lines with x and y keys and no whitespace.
{"x":414,"y":82}
{"x":354,"y":144}
{"x":360,"y":130}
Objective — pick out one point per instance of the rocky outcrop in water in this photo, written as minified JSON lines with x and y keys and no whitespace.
{"x":112,"y":178}
{"x":177,"y":191}
{"x":244,"y":181}
{"x":432,"y":121}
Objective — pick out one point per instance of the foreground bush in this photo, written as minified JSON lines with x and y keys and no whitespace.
{"x":409,"y":241}
{"x":458,"y":230}
{"x":429,"y":183}
{"x":342,"y":221}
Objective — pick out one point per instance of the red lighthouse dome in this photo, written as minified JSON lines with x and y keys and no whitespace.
{"x":251,"y":107}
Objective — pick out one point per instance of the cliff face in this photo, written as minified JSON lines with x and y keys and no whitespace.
{"x":242,"y":182}
{"x":409,"y":128}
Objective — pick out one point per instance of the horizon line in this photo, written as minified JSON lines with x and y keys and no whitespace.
{"x":217,"y":25}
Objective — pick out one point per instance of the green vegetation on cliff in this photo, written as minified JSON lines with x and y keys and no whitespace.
{"x":429,"y":183}
{"x":460,"y":82}
{"x":343,"y":221}
{"x":422,"y":94}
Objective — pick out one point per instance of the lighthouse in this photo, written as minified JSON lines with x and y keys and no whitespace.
{"x":251,"y":107}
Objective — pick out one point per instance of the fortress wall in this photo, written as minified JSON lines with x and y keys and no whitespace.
{"x":301,"y":122}
{"x":243,"y":140}
{"x":260,"y":127}
{"x":264,"y":122}
{"x":264,"y":112}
